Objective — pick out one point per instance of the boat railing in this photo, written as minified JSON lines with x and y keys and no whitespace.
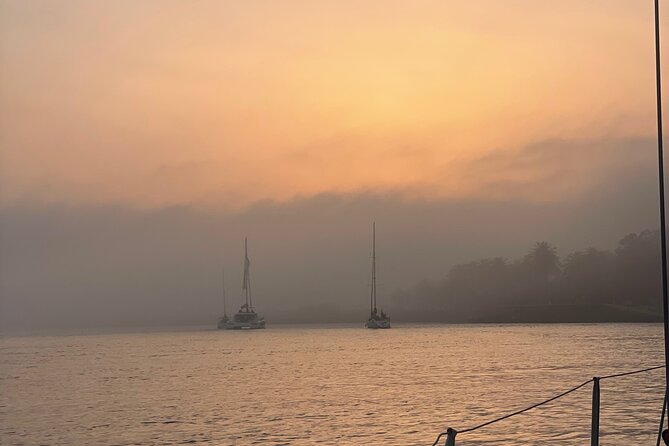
{"x":451,"y":433}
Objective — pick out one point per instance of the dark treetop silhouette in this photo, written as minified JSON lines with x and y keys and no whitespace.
{"x":586,"y":285}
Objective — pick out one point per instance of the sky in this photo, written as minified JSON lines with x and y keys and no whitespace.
{"x":150,"y":129}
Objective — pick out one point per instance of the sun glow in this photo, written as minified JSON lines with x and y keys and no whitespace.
{"x":157,"y":103}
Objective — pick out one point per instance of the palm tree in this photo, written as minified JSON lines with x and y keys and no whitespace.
{"x":543,"y":263}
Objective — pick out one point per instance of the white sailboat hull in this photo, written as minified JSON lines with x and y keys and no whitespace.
{"x":376,"y":324}
{"x":244,"y":320}
{"x":232,"y":325}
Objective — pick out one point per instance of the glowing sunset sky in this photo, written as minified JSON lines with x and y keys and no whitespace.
{"x":150,"y":103}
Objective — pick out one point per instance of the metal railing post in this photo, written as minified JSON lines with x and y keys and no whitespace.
{"x":450,"y":436}
{"x":594,"y":433}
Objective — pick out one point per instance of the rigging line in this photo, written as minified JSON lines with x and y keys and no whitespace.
{"x":496,"y":420}
{"x":660,"y":156}
{"x":573,"y":389}
{"x":438,"y":438}
{"x":617,"y":375}
{"x":567,"y":392}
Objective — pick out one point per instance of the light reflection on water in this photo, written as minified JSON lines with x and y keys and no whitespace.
{"x":338,"y":385}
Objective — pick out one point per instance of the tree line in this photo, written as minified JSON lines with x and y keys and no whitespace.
{"x":622,"y":284}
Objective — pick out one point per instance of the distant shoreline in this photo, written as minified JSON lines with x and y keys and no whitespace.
{"x":513,"y":315}
{"x":502,"y":314}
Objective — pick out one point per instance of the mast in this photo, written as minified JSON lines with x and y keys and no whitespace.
{"x":225,"y":314}
{"x":247,"y":276}
{"x":373,"y":296}
{"x":663,"y":233}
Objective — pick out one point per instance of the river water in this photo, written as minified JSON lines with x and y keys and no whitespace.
{"x":337,"y":385}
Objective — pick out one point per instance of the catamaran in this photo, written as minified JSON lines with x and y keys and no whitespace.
{"x":376,"y":319}
{"x":224,"y":319}
{"x":246,"y":318}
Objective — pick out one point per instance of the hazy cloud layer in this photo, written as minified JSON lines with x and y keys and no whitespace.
{"x":106,"y":265}
{"x":164,"y":102}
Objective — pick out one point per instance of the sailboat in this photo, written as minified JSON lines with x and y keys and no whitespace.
{"x":376,"y":319}
{"x":246,"y":318}
{"x":224,"y":319}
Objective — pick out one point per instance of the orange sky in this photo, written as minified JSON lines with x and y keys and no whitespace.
{"x":224,"y":103}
